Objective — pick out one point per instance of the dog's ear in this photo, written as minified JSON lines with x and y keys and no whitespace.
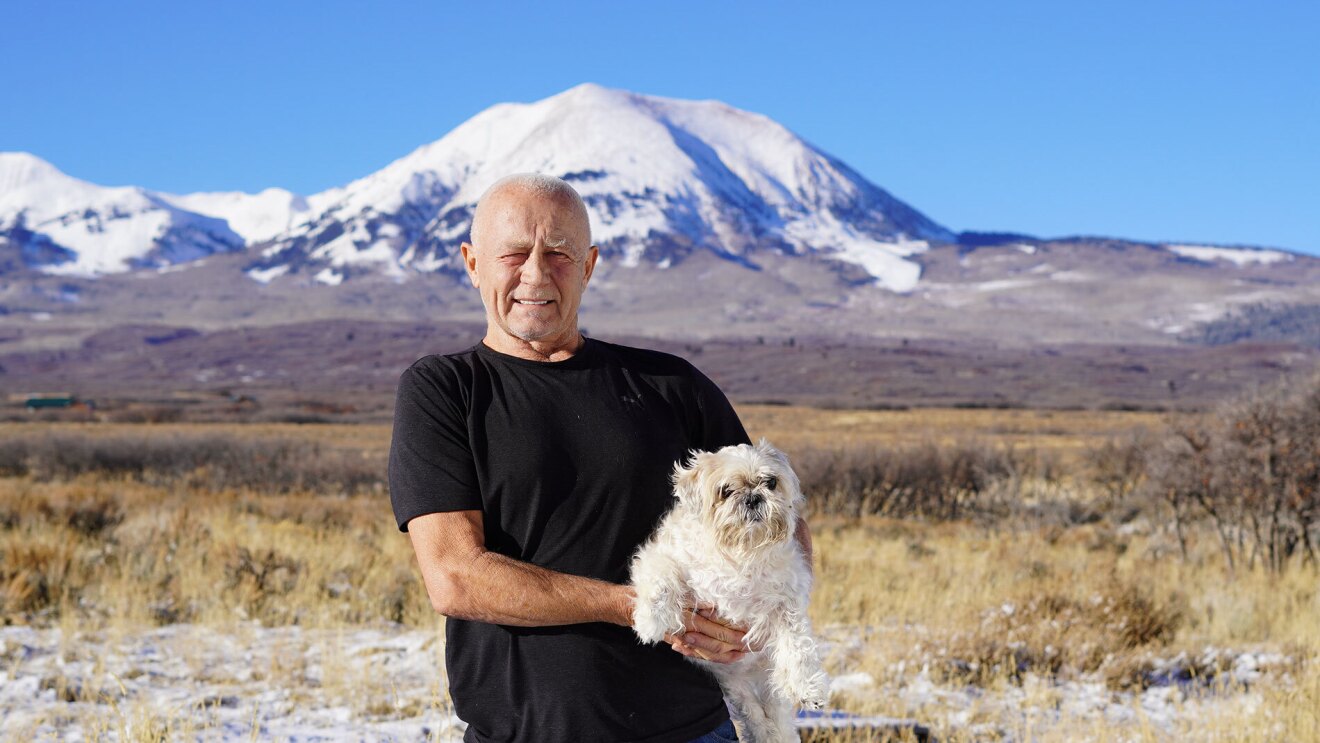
{"x":765,"y":448}
{"x":687,"y":476}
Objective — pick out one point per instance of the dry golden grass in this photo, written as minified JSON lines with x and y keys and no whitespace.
{"x":159,"y":554}
{"x":995,"y":608}
{"x":1067,"y":432}
{"x":1015,"y":610}
{"x":788,"y":427}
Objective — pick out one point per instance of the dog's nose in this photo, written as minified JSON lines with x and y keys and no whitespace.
{"x":754,"y":501}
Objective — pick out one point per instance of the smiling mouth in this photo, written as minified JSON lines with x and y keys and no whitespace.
{"x":533,"y":302}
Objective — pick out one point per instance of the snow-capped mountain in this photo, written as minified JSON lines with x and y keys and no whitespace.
{"x":662,"y":178}
{"x":693,"y":186}
{"x":63,"y":225}
{"x":255,"y":217}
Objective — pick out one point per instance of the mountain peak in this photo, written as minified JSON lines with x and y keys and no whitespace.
{"x":21,"y":169}
{"x":64,"y":225}
{"x":592,"y":90}
{"x":661,"y":177}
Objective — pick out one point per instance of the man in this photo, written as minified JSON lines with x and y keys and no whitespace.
{"x":527,"y":470}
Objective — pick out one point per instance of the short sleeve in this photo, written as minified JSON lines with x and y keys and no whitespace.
{"x":720,"y":425}
{"x":431,"y":468}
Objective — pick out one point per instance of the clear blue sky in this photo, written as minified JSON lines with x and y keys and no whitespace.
{"x":1191,"y":121}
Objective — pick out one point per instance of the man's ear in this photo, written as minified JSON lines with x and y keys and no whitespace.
{"x":592,"y":255}
{"x":470,"y":263}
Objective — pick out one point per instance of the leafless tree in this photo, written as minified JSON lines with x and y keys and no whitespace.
{"x":1251,"y":469}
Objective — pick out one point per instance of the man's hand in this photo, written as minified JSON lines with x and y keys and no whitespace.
{"x":707,"y":637}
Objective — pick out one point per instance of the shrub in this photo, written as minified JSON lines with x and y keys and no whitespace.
{"x":926,"y":481}
{"x":1049,"y":632}
{"x":1251,"y":469}
{"x":215,"y":460}
{"x":1118,"y":465}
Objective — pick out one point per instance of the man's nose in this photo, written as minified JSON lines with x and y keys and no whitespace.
{"x":533,"y":269}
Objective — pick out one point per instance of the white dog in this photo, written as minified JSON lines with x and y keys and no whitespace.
{"x":728,"y":543}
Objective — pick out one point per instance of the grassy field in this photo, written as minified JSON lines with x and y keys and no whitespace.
{"x":1080,"y":621}
{"x":786,"y":426}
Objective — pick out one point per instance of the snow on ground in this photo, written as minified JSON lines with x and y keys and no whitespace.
{"x":386,"y":683}
{"x":286,"y":683}
{"x":1175,"y":700}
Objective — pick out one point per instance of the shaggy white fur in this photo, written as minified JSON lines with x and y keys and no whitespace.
{"x":728,"y":543}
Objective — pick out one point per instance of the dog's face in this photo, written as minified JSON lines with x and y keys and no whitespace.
{"x":747,"y":495}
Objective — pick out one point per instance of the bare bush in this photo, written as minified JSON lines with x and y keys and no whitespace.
{"x":1118,"y":465}
{"x":926,"y":481}
{"x":216,"y":460}
{"x":1049,"y":632}
{"x":1251,"y":469}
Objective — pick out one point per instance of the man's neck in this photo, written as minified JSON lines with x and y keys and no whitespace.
{"x":560,"y":349}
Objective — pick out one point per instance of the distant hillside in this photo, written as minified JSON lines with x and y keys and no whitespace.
{"x":1293,"y":323}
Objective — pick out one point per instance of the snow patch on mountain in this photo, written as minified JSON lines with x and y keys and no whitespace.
{"x":998,"y":285}
{"x":1237,"y":256}
{"x":255,"y":217}
{"x":265,"y":276}
{"x":329,"y":277}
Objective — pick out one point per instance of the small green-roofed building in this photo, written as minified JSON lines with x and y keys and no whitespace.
{"x":35,"y":402}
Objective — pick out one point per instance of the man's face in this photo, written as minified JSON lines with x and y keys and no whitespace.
{"x":531,"y":267}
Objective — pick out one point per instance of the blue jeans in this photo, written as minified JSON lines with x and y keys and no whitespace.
{"x":722,"y":734}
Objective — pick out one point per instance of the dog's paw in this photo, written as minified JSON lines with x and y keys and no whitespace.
{"x":813,"y":703}
{"x":817,"y":692}
{"x":809,"y":692}
{"x":652,"y":623}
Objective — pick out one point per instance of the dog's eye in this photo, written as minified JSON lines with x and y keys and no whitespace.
{"x":725,"y":492}
{"x":771,"y":482}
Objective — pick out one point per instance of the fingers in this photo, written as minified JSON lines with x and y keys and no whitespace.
{"x":725,"y":632}
{"x":704,"y":625}
{"x":692,"y":651}
{"x":708,"y":639}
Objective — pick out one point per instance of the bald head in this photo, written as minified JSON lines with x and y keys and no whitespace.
{"x":534,"y":185}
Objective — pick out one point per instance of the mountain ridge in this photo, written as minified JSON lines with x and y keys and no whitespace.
{"x":662,"y":177}
{"x":710,"y":220}
{"x":64,"y":225}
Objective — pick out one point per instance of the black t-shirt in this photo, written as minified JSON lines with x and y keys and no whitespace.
{"x":569,"y":463}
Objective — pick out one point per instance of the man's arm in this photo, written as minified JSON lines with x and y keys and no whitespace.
{"x":466,"y":581}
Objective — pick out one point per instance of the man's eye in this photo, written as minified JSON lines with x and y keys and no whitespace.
{"x":772,"y":482}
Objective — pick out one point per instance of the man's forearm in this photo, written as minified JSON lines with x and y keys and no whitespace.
{"x":498,"y":589}
{"x":467,"y":581}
